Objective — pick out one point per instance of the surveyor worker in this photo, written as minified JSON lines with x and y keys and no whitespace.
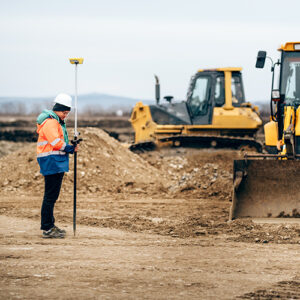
{"x":53,"y":151}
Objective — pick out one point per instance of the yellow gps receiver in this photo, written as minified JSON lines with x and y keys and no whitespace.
{"x":76,"y":61}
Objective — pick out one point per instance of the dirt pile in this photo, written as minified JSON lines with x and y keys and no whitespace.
{"x":6,"y":147}
{"x":279,"y":290}
{"x":104,"y":166}
{"x":196,"y":173}
{"x":250,"y":232}
{"x":175,"y":192}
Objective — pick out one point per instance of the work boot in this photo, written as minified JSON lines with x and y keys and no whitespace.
{"x":53,"y":233}
{"x":60,"y":230}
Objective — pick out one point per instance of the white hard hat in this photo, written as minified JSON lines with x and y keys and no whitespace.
{"x":63,"y":99}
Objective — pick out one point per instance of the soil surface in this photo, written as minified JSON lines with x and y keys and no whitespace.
{"x":149,"y":226}
{"x":103,"y":263}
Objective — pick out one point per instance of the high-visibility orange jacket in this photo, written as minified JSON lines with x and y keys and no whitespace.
{"x":51,"y":144}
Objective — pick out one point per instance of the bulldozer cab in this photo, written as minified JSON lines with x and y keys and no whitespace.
{"x":208,"y":90}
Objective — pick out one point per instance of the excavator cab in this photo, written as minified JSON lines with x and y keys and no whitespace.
{"x":214,"y":113}
{"x":267,"y":185}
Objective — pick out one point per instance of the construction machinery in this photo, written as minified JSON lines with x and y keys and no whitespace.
{"x":214,"y":114}
{"x":267,"y":185}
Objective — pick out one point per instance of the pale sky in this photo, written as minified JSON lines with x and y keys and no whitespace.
{"x":124,"y":43}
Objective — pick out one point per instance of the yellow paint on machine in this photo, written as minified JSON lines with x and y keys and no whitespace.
{"x":290,"y":46}
{"x":271,"y":133}
{"x":142,"y":123}
{"x":267,"y":185}
{"x":236,"y":118}
{"x":225,"y":118}
{"x":297,"y":125}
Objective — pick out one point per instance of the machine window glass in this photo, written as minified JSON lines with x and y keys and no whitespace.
{"x":200,"y":95}
{"x":237,"y":90}
{"x":290,"y":81}
{"x":219,"y":92}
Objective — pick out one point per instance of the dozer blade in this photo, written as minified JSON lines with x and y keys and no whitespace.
{"x":266,"y":188}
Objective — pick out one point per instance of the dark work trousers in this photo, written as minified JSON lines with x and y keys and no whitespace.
{"x":52,"y":189}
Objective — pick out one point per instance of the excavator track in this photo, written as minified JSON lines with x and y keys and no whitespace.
{"x":197,"y":141}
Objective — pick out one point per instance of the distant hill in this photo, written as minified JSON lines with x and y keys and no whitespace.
{"x":86,"y":103}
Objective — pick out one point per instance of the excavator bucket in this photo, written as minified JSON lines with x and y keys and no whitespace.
{"x":266,"y":189}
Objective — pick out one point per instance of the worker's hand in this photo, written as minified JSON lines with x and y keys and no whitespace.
{"x":69,"y":149}
{"x":279,"y":145}
{"x":76,"y":148}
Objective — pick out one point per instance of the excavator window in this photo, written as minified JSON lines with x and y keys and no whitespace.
{"x":199,"y":100}
{"x":219,"y":91}
{"x":237,"y":90}
{"x":290,"y":80}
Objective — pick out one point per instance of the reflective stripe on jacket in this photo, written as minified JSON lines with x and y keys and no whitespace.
{"x":50,"y":145}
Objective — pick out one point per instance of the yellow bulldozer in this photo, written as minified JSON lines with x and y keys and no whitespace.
{"x":267,"y":185}
{"x":215,"y":114}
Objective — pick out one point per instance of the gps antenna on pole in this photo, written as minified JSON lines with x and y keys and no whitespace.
{"x":76,"y":141}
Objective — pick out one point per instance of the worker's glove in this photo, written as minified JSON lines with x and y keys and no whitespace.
{"x":69,"y":149}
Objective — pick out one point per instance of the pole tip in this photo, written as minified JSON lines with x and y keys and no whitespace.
{"x":76,"y":61}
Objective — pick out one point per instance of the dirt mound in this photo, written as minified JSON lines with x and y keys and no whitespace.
{"x":279,"y":290}
{"x":196,"y":173}
{"x":176,"y":192}
{"x":6,"y":147}
{"x":104,"y":166}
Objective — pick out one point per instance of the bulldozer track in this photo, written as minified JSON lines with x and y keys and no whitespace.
{"x":142,"y":147}
{"x":197,"y":141}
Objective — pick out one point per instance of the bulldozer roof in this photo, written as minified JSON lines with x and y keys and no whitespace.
{"x":290,"y":46}
{"x":230,"y":69}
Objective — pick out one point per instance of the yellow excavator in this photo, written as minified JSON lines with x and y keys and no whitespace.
{"x":214,"y":114}
{"x":267,"y":185}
